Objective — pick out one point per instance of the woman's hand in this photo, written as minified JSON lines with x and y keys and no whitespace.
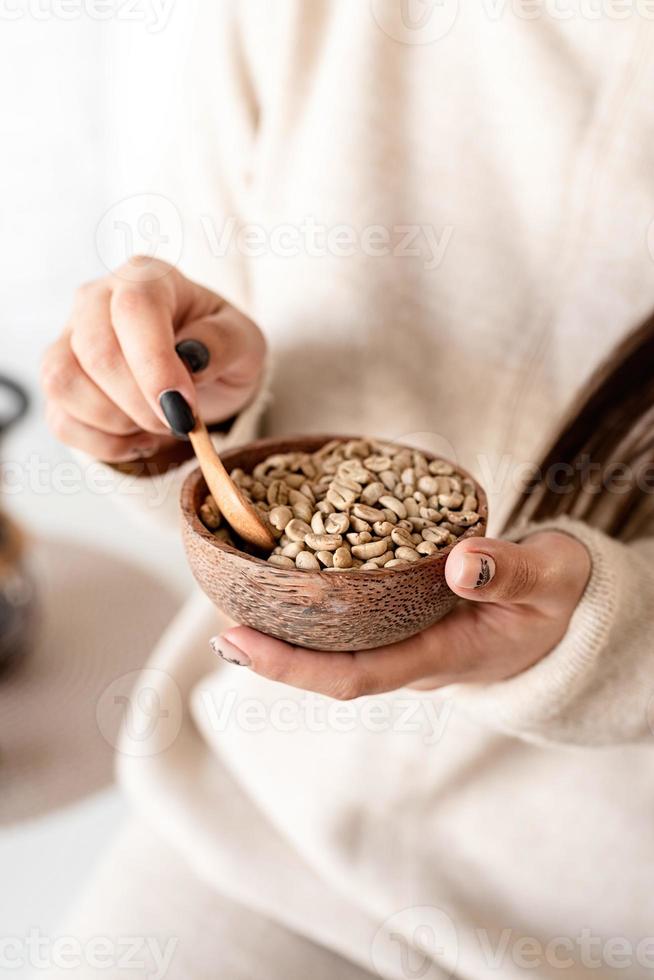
{"x":105,"y":377}
{"x":520,"y":600}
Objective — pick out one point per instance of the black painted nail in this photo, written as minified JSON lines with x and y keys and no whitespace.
{"x":194,"y":354}
{"x":177,"y":411}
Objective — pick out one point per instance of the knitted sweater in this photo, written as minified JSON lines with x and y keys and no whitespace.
{"x":440,"y":220}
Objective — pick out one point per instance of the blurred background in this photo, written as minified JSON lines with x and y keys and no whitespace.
{"x":86,"y":93}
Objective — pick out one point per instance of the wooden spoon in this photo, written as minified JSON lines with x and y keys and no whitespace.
{"x":232,"y":503}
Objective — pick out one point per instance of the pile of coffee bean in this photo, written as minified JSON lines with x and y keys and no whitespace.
{"x":358,"y":505}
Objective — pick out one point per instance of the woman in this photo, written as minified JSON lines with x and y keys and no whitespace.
{"x":470,"y":210}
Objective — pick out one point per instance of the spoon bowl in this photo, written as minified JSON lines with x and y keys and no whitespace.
{"x":237,"y":510}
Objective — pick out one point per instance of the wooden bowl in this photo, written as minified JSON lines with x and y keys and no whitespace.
{"x":319,"y":610}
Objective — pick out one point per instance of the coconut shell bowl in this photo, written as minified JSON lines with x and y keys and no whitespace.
{"x":320,"y":610}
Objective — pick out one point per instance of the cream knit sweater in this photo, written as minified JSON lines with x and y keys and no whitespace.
{"x":441,"y":232}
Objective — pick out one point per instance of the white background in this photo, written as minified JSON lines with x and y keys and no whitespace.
{"x":83,"y":112}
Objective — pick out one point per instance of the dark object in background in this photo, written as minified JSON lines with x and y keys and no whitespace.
{"x":16,"y":588}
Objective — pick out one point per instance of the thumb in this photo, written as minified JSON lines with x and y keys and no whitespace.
{"x":485,"y":570}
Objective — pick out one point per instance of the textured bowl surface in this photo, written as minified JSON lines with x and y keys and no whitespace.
{"x":320,"y":610}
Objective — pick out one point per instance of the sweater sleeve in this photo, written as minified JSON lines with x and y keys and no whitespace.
{"x":596,"y":687}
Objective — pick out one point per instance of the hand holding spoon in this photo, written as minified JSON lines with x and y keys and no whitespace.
{"x":237,"y":510}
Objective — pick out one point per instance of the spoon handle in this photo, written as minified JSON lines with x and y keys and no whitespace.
{"x":204,"y":448}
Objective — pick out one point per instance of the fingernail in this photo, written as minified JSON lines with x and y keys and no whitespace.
{"x":177,"y":411}
{"x":194,"y":354}
{"x":472,"y":570}
{"x":141,"y":452}
{"x":229,"y":652}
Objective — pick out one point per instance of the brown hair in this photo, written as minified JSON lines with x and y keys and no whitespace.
{"x":600,"y":467}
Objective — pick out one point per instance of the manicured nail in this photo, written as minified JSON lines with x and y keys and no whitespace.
{"x":194,"y":354}
{"x":472,"y":570}
{"x":229,"y":652}
{"x":141,"y":452}
{"x":177,"y":411}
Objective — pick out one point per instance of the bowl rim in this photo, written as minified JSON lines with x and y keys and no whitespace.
{"x":194,"y":523}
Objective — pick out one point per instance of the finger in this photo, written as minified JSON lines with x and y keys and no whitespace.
{"x":486,"y":570}
{"x":96,"y":348}
{"x":101,"y":445}
{"x":142,"y":317}
{"x":332,"y":674}
{"x":225,"y":353}
{"x":67,"y":385}
{"x":342,"y":676}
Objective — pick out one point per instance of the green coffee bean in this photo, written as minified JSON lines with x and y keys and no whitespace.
{"x":465,"y":518}
{"x":342,"y":558}
{"x":279,"y":517}
{"x":337,"y":523}
{"x":281,"y":561}
{"x":437,"y":535}
{"x":362,"y":504}
{"x":412,"y":507}
{"x":374,"y":549}
{"x":323,"y":542}
{"x":210,"y":515}
{"x":377,"y":463}
{"x":401,"y":537}
{"x":297,"y":530}
{"x":440,"y":468}
{"x":383,"y":559}
{"x":293,"y":549}
{"x":307,"y":561}
{"x":317,"y":523}
{"x":407,"y":554}
{"x":359,"y":537}
{"x":371,"y":494}
{"x":369,"y":514}
{"x":393,"y":504}
{"x":450,"y":501}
